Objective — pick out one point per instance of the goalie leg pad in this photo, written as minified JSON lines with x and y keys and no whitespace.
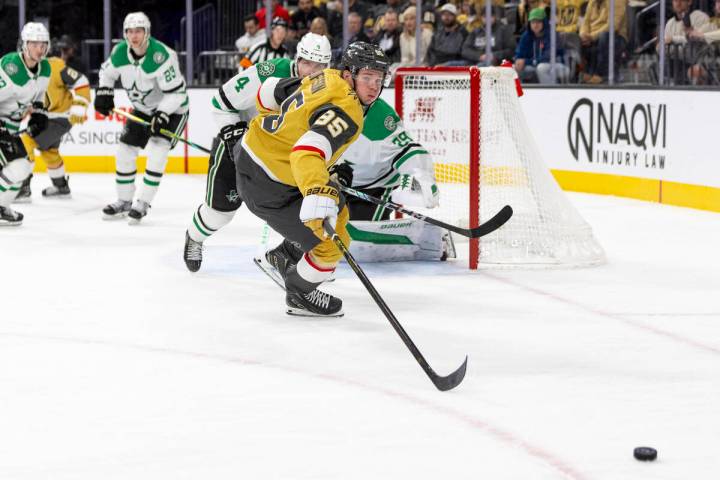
{"x":406,"y":239}
{"x":206,"y":221}
{"x":125,"y":171}
{"x":157,"y":152}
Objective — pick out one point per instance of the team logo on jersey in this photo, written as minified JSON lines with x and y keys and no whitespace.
{"x":390,"y":123}
{"x":266,"y":68}
{"x":11,"y":69}
{"x":233,"y":196}
{"x":158,"y":57}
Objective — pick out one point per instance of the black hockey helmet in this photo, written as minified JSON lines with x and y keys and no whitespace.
{"x":361,"y":55}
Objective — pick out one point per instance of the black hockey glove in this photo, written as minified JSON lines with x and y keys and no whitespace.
{"x":104,"y":100}
{"x":38,"y":121}
{"x":11,"y":146}
{"x":342,"y":174}
{"x":159,"y":121}
{"x":231,"y":134}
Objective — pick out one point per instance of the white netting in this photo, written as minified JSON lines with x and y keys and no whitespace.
{"x":545,"y":229}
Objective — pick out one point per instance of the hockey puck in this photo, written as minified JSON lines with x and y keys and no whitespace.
{"x":645,"y":454}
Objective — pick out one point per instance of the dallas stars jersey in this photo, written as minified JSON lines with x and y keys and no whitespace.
{"x":66,"y":85}
{"x":19,"y":88}
{"x":300,"y":132}
{"x":235,"y":99}
{"x":384,"y":150}
{"x":153,"y":82}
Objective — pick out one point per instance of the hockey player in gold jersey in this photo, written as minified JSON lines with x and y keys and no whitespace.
{"x":284,"y":165}
{"x":66,"y":101}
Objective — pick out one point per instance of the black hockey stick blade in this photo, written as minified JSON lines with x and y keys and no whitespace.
{"x":451,"y":381}
{"x":490,"y":226}
{"x":441,"y":383}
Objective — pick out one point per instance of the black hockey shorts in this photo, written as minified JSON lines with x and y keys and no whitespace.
{"x":276,"y":203}
{"x":362,"y":210}
{"x":52,"y":135}
{"x":137,"y":135}
{"x":221,"y":189}
{"x":11,"y":148}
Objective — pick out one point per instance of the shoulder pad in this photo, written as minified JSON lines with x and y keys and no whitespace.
{"x":157,"y":54}
{"x":275,"y":67}
{"x":119,"y":55}
{"x":13,"y":66}
{"x":381,"y":120}
{"x":44,"y":68}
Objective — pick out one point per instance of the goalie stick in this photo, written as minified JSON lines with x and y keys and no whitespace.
{"x":441,"y":383}
{"x":490,"y":226}
{"x":163,"y":131}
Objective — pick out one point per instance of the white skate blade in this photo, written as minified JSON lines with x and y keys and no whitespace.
{"x":66,"y":196}
{"x":10,"y":224}
{"x":117,"y":216}
{"x":134,"y":221}
{"x":300,"y":312}
{"x":23,"y":200}
{"x":270,"y":271}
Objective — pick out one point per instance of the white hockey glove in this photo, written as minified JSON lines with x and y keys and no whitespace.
{"x":418,"y":190}
{"x":320,"y":203}
{"x":78,"y":112}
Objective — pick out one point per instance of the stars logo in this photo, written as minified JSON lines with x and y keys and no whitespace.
{"x":390,"y":123}
{"x":266,"y":68}
{"x":137,"y":95}
{"x":233,"y":196}
{"x":11,"y":69}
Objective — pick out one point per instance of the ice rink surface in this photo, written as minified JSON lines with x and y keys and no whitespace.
{"x":117,"y":363}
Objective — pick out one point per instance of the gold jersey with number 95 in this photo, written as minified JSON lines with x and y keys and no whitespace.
{"x":301,"y":131}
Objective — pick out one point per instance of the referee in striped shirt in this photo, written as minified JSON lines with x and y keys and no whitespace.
{"x":273,"y":47}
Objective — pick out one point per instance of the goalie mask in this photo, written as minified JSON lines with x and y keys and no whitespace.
{"x":34,"y":32}
{"x":137,"y":20}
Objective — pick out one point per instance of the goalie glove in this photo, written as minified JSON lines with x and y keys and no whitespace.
{"x":417,"y":190}
{"x":320,"y":203}
{"x":104,"y":100}
{"x":78,"y":112}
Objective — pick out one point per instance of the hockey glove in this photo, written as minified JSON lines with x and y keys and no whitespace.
{"x":320,"y":203}
{"x":419,"y":190}
{"x":342,"y":174}
{"x":231,"y":134}
{"x":159,"y":121}
{"x":78,"y":112}
{"x":104,"y":100}
{"x":37,"y":123}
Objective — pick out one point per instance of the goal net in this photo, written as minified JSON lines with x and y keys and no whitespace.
{"x":485,"y":157}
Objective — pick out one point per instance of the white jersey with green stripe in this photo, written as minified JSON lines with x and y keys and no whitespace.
{"x":384,"y":152}
{"x":152,"y":82}
{"x":20,"y":87}
{"x":234,"y":101}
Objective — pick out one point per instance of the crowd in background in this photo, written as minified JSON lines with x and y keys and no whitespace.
{"x":454,"y":34}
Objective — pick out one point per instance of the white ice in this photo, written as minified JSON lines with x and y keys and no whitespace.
{"x":117,"y":363}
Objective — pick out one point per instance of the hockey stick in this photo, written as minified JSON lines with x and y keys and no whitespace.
{"x":490,"y":226}
{"x":441,"y":383}
{"x":163,"y":131}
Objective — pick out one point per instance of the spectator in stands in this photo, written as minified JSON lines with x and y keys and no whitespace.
{"x":378,"y":12}
{"x":501,"y":40}
{"x":334,"y":14}
{"x":532,"y":56}
{"x":447,"y":41}
{"x":278,"y":11}
{"x":685,"y":34}
{"x":568,"y":16}
{"x":301,"y":19}
{"x":273,"y":47}
{"x":388,"y":38}
{"x":527,"y":6}
{"x":253,"y":35}
{"x":356,"y":32}
{"x":477,"y":17}
{"x":407,"y":39}
{"x":595,"y":37}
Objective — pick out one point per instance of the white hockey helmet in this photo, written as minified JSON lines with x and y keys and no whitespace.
{"x":137,"y":20}
{"x":34,"y":32}
{"x":315,"y":48}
